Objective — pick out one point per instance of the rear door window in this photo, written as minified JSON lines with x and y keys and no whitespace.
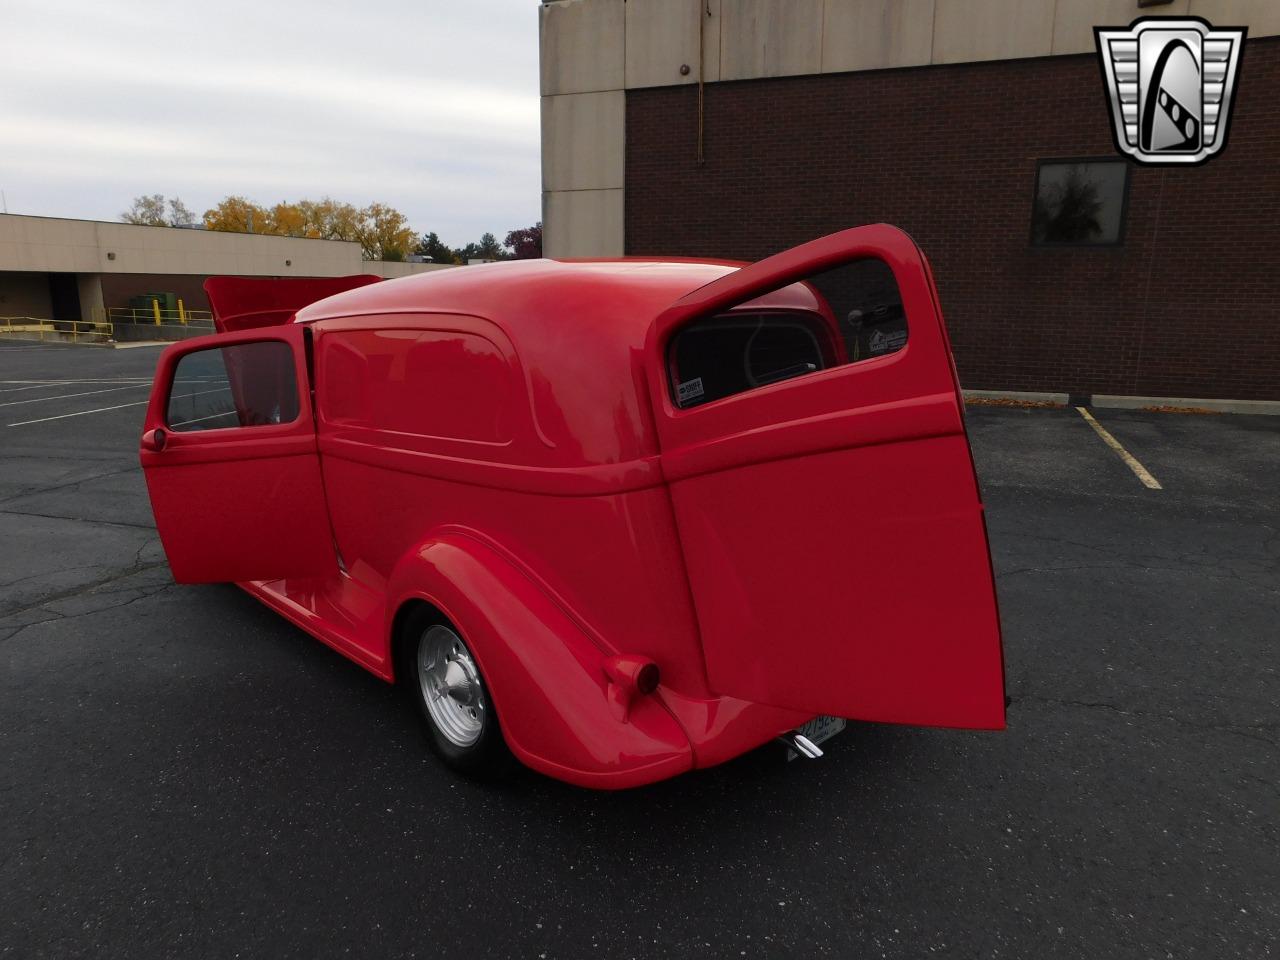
{"x":846,"y":315}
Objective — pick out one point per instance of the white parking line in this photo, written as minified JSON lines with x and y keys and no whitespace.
{"x":37,"y":384}
{"x":63,"y":416}
{"x":212,"y":416}
{"x":1130,"y":460}
{"x":68,"y":396}
{"x":83,"y":413}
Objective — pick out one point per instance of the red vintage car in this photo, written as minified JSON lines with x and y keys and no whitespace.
{"x":620,"y":518}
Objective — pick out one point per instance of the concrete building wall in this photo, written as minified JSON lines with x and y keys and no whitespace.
{"x":107,"y":263}
{"x":85,"y":246}
{"x":606,"y":47}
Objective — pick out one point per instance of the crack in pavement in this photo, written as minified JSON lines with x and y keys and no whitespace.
{"x":70,"y":483}
{"x":143,"y":594}
{"x":54,"y":516}
{"x":81,"y":591}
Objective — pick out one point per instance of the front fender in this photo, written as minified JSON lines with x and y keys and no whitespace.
{"x":545,"y":675}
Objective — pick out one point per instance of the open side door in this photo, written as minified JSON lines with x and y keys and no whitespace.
{"x":230,"y":457}
{"x":827,"y":504}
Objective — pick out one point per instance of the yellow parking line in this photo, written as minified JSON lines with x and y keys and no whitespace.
{"x":1130,"y":460}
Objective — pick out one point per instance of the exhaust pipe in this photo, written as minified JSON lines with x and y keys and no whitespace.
{"x":801,"y":744}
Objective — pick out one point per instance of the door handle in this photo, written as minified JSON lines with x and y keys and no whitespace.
{"x":154,"y":440}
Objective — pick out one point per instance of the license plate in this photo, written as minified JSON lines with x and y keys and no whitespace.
{"x":817,"y":730}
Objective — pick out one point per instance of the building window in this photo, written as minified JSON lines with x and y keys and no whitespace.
{"x":1080,"y":202}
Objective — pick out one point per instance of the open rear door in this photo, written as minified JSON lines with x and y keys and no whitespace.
{"x":230,"y":457}
{"x":825,"y":494}
{"x":245,"y":303}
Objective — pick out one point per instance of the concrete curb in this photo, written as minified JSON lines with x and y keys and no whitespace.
{"x":56,"y":343}
{"x":108,"y":345}
{"x":1256,"y":407}
{"x":1116,"y":402}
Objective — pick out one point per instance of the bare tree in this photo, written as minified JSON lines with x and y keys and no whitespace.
{"x":179,"y":215}
{"x":147,"y":211}
{"x":156,"y":211}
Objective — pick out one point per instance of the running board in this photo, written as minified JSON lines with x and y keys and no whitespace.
{"x":801,"y":744}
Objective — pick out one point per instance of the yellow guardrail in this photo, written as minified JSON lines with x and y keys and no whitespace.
{"x":72,"y":331}
{"x":157,"y":314}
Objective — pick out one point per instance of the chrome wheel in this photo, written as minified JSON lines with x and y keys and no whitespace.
{"x":450,"y":683}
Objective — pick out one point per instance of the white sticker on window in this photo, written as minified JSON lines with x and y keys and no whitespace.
{"x":889,"y":342}
{"x":690,"y":390}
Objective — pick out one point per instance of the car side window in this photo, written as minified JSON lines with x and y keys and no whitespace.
{"x":240,"y":385}
{"x":844,"y":315}
{"x":441,"y":384}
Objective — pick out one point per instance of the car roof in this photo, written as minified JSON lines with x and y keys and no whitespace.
{"x":577,"y":326}
{"x":528,"y":297}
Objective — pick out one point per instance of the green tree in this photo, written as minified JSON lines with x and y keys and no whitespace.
{"x":490,"y":249}
{"x":432,"y":246}
{"x":487,"y":249}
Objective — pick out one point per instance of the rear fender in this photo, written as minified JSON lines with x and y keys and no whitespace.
{"x":545,"y":675}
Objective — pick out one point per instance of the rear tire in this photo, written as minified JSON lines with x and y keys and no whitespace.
{"x":444,"y":678}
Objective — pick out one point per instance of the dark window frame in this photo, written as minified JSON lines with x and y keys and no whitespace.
{"x":1117,"y":243}
{"x":796,"y":318}
{"x":301,"y":391}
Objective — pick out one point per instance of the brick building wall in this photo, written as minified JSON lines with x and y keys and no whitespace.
{"x":1186,"y":306}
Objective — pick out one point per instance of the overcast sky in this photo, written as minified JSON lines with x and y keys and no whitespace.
{"x":429,"y":106}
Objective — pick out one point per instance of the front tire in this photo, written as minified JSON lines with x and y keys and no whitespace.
{"x":445,"y":679}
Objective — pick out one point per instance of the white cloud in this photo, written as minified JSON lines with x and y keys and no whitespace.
{"x":431,"y":107}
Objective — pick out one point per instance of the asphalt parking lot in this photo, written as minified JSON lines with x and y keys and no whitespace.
{"x":183,"y":773}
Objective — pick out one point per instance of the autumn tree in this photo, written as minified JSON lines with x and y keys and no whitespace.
{"x":525,"y":244}
{"x":329,"y":219}
{"x":237,"y":214}
{"x":382,"y":231}
{"x":290,"y":220}
{"x":156,"y":211}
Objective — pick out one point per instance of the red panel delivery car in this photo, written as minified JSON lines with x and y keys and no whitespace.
{"x":619,"y":519}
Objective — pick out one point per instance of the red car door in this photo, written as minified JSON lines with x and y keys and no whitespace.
{"x":827,"y":506}
{"x":230,"y":458}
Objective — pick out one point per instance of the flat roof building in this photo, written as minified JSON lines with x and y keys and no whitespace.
{"x":57,"y":269}
{"x":737,"y":128}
